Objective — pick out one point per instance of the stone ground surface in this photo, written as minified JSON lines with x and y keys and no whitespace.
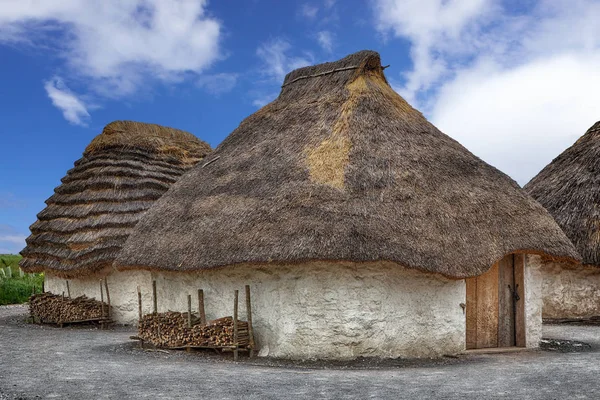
{"x":85,"y":363}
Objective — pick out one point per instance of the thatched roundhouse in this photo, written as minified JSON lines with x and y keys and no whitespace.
{"x":123,"y":171}
{"x":569,"y":188}
{"x":361,"y":228}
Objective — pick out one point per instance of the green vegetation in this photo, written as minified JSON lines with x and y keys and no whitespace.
{"x":15,"y":285}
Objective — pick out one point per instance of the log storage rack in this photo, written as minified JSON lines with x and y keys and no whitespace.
{"x":61,"y":310}
{"x":176,"y":330}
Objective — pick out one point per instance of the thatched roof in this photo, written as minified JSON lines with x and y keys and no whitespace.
{"x":340,"y":167}
{"x":122,"y":172}
{"x":569,"y":188}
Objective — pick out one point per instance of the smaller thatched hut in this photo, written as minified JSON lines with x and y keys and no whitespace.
{"x":80,"y":232}
{"x":361,"y":228}
{"x":569,"y":188}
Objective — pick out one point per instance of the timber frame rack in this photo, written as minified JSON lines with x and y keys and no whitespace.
{"x":178,"y":331}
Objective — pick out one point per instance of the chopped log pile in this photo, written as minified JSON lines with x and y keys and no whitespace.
{"x":56,"y":309}
{"x":170,"y":330}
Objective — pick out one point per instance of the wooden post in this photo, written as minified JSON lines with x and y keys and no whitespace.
{"x":235,"y":326}
{"x":249,"y":317}
{"x":189,"y":310}
{"x":107,"y":296}
{"x":102,"y":298}
{"x":139,"y":305}
{"x":155,"y":304}
{"x":68,"y":290}
{"x":201,"y":313}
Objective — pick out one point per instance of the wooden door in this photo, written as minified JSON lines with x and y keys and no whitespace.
{"x":495,"y":318}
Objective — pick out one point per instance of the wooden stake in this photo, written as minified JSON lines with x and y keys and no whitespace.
{"x":107,"y":296}
{"x":102,"y":298}
{"x":68,"y":290}
{"x":201,"y":313}
{"x":249,"y":317}
{"x":189,"y":310}
{"x":140,"y":306}
{"x":155,"y":304}
{"x":235,"y":326}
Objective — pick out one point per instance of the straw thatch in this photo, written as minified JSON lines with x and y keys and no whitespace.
{"x":569,"y":188}
{"x":340,"y":167}
{"x":122,"y":172}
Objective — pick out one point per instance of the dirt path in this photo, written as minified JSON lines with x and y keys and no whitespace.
{"x":46,"y":362}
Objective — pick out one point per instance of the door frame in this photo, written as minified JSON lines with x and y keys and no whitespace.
{"x":501,"y":294}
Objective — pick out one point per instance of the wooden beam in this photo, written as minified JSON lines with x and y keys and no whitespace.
{"x":520,"y":304}
{"x":487,"y":308}
{"x":107,"y":296}
{"x":139,"y":304}
{"x":202,"y":314}
{"x":154,"y":301}
{"x":235,"y":326}
{"x":506,"y":314}
{"x":189,"y":319}
{"x":471,"y":312}
{"x":102,"y":299}
{"x":249,"y":317}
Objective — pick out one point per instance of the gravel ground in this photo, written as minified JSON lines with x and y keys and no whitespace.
{"x":86,"y":363}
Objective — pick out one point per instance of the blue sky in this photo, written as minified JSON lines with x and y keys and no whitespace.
{"x":516,"y":82}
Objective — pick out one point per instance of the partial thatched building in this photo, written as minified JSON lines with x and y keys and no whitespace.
{"x":123,"y":171}
{"x":362,"y":229}
{"x":569,"y":188}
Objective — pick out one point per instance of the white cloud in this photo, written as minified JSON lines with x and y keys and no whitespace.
{"x":14,"y":239}
{"x":329,"y":3}
{"x":117,"y":46}
{"x":276,"y":61}
{"x":325,"y":39}
{"x":264,"y":99}
{"x":435,"y":28}
{"x":308,"y":11}
{"x":73,"y":109}
{"x":519,"y":119}
{"x":218,"y":83}
{"x":513,"y":88}
{"x":11,"y":242}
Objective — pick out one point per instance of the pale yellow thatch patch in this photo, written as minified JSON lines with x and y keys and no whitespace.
{"x":327,"y":162}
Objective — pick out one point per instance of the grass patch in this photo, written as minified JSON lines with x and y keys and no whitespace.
{"x":15,"y":285}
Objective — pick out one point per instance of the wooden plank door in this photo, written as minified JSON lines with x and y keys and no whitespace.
{"x":471,"y":313}
{"x":506,"y":303}
{"x":492,"y":319}
{"x":487,"y":309}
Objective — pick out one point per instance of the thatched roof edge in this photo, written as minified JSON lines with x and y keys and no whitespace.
{"x":569,"y":188}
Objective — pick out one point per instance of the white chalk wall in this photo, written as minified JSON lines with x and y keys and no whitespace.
{"x":533,"y":300}
{"x":570,"y":291}
{"x":122,"y":287}
{"x":325,"y":310}
{"x":321,"y":310}
{"x":316,"y":310}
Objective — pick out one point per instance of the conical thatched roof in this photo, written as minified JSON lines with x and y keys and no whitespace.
{"x":340,"y":167}
{"x":122,"y":172}
{"x":569,"y":188}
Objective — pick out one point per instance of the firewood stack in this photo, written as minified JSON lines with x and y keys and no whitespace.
{"x":171,"y":329}
{"x":56,"y":309}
